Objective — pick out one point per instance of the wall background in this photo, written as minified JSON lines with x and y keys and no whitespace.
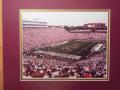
{"x":1,"y":56}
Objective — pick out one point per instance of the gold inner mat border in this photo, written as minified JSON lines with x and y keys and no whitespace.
{"x":67,"y":10}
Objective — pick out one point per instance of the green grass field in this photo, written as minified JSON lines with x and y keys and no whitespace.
{"x":74,"y":47}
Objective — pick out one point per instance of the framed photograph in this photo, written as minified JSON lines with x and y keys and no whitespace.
{"x":59,"y":45}
{"x":64,"y":44}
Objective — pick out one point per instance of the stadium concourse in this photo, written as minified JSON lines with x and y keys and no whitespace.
{"x":49,"y":53}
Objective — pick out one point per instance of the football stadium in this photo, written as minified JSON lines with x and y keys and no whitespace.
{"x":63,"y":52}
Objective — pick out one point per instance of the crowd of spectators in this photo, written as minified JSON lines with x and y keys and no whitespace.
{"x":92,"y":67}
{"x":42,"y":67}
{"x":33,"y":37}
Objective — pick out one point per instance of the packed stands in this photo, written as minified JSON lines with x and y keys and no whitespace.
{"x":45,"y":66}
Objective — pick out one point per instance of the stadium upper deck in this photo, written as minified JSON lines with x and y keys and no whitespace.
{"x":29,"y":23}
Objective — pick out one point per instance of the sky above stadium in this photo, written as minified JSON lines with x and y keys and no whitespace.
{"x":67,"y":18}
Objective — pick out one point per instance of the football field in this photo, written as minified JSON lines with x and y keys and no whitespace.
{"x":73,"y":47}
